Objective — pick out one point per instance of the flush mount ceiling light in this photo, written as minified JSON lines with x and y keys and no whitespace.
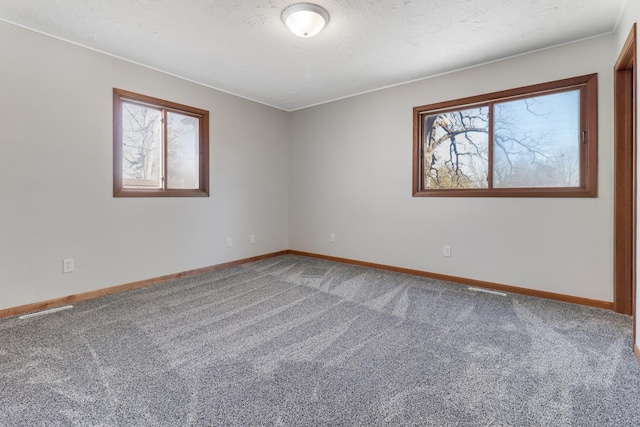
{"x":305,"y":19}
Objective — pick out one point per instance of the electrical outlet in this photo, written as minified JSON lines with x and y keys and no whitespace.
{"x":229,"y":242}
{"x":446,"y":250}
{"x":332,"y":238}
{"x":67,"y":265}
{"x":252,"y":239}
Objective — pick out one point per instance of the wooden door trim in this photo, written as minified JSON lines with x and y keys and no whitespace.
{"x":625,"y":177}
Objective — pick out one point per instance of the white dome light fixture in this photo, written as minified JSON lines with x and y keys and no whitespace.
{"x":305,"y":19}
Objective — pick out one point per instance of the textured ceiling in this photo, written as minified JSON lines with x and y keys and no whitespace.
{"x":243,"y":48}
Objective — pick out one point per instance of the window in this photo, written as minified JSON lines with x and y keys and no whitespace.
{"x":535,"y":141}
{"x":160,"y":148}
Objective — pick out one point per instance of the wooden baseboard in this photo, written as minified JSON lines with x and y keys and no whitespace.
{"x":57,"y":302}
{"x":470,"y":282}
{"x":636,"y":351}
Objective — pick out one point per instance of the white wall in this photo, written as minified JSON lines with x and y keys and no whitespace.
{"x":351,"y":175}
{"x":290,"y":178}
{"x":630,"y":15}
{"x":56,"y":176}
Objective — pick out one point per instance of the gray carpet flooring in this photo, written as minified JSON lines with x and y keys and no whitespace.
{"x":296,"y":341}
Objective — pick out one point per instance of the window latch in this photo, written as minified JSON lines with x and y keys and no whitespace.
{"x":584,"y":137}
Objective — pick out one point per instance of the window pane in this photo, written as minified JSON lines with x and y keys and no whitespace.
{"x":456,"y":149}
{"x":141,"y":146}
{"x":182,"y":151}
{"x":536,"y":141}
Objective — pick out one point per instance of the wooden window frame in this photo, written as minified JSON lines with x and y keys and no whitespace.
{"x":119,"y":190}
{"x":588,"y":179}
